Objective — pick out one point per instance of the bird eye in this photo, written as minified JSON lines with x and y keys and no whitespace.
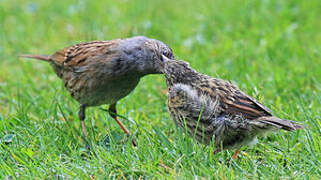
{"x":168,"y":54}
{"x":165,"y":53}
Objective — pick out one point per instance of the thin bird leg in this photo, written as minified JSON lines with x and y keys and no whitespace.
{"x":113,"y":113}
{"x":122,"y":126}
{"x":82,"y":115}
{"x":236,"y":152}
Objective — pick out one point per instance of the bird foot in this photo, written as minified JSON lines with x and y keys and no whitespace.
{"x":133,"y":141}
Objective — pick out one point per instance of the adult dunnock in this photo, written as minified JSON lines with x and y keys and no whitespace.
{"x":103,"y":72}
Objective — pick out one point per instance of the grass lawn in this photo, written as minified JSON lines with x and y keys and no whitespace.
{"x":270,"y":48}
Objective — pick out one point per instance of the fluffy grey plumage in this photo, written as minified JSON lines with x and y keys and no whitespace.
{"x":103,"y":72}
{"x":214,"y":109}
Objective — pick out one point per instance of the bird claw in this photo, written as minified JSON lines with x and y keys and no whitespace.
{"x":133,"y":141}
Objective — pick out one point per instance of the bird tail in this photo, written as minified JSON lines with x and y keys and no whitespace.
{"x":272,"y":122}
{"x":39,"y":57}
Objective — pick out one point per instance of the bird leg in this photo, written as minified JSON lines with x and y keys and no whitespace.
{"x":236,"y":152}
{"x":82,"y":115}
{"x":113,"y":113}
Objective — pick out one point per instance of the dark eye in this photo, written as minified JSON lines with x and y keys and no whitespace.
{"x":167,"y":54}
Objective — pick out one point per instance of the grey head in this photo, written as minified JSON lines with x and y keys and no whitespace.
{"x":145,"y":54}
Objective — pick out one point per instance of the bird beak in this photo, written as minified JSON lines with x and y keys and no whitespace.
{"x":165,"y":59}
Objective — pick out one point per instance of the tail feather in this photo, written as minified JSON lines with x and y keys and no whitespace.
{"x":280,"y":123}
{"x":40,"y":57}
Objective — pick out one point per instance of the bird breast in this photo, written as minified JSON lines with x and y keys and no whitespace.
{"x":97,"y":84}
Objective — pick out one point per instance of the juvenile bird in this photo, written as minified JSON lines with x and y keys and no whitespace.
{"x":214,"y":109}
{"x":103,"y":72}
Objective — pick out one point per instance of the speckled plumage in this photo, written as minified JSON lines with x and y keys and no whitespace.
{"x":214,"y":109}
{"x":103,"y":72}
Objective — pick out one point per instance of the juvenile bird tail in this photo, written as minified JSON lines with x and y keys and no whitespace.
{"x":40,"y":57}
{"x":272,"y":122}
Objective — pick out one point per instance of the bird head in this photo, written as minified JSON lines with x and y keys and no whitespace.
{"x":157,"y":50}
{"x":145,"y":54}
{"x":172,"y":66}
{"x":178,"y":71}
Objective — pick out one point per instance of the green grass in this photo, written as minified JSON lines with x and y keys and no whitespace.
{"x":270,"y":48}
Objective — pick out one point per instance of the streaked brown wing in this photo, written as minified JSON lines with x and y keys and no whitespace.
{"x":247,"y":107}
{"x":76,"y":55}
{"x":236,"y":102}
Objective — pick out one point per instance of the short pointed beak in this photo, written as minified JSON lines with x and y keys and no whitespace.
{"x":165,"y":59}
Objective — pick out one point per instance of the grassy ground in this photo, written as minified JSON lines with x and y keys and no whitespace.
{"x":270,"y":48}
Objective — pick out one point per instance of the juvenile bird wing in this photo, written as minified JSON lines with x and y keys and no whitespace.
{"x":236,"y":102}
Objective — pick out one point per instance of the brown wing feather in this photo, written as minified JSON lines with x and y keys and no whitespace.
{"x":76,"y":55}
{"x":237,"y":102}
{"x":247,"y":108}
